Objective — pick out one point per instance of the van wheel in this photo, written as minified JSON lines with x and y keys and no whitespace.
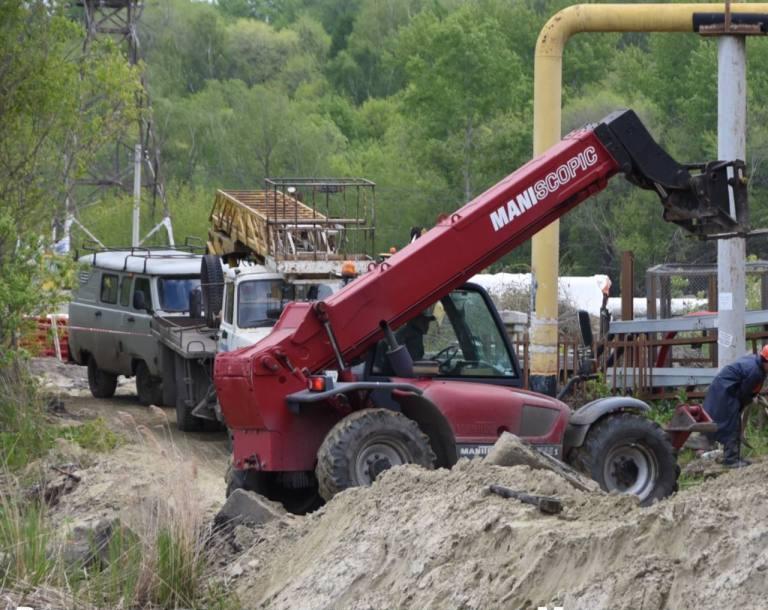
{"x":149,"y":389}
{"x":101,"y":383}
{"x":185,"y":421}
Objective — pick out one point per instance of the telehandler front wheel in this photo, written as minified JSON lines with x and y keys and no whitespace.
{"x":366,"y":443}
{"x":630,"y":454}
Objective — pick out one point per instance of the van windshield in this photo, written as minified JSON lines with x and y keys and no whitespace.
{"x":260,"y":302}
{"x":174,"y":292}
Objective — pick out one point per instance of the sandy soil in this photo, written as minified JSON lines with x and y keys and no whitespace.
{"x":436,"y":539}
{"x":154,"y":457}
{"x":421,"y":539}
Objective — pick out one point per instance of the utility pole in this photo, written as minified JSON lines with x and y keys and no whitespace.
{"x":731,"y":144}
{"x":135,"y":233}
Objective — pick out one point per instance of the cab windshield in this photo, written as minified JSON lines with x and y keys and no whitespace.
{"x":260,"y":302}
{"x":174,"y":292}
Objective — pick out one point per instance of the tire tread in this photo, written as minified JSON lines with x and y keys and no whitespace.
{"x":333,"y":458}
{"x":582,"y":458}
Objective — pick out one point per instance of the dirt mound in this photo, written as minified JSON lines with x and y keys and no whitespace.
{"x":126,"y":483}
{"x":421,"y":539}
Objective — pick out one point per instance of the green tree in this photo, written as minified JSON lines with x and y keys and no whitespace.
{"x":256,"y":53}
{"x":459,"y":76}
{"x":58,"y":105}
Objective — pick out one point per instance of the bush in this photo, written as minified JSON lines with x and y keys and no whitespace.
{"x":24,"y":433}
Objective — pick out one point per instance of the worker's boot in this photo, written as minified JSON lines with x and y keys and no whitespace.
{"x":732,"y":455}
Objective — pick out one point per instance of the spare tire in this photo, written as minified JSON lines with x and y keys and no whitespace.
{"x":212,"y":285}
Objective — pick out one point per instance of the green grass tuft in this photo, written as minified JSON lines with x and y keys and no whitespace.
{"x":93,"y":435}
{"x":25,"y":560}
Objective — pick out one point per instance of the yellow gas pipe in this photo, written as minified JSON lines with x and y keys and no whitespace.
{"x":547,"y":99}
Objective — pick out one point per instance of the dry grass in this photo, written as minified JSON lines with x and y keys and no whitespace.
{"x":161,"y":561}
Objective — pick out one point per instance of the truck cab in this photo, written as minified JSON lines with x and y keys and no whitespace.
{"x":254,"y":298}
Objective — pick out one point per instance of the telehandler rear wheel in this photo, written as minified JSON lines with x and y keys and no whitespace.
{"x":366,"y":443}
{"x":628,"y":453}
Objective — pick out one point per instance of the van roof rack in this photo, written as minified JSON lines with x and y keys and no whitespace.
{"x":143,"y":253}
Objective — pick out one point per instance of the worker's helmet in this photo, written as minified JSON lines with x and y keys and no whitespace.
{"x":764,"y":353}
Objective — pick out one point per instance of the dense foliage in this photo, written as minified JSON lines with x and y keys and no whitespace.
{"x":59,"y":103}
{"x":431,"y":99}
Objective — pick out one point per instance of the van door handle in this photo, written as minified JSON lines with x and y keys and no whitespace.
{"x":224,"y":334}
{"x":97,"y":314}
{"x":131,"y":319}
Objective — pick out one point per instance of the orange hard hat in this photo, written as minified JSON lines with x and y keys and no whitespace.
{"x":764,"y":352}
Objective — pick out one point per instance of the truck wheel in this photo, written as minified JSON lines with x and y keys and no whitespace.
{"x":212,"y":285}
{"x":298,"y":500}
{"x":366,"y":443}
{"x":149,"y":389}
{"x":629,"y":454}
{"x":185,"y":421}
{"x":169,"y":377}
{"x":101,"y":383}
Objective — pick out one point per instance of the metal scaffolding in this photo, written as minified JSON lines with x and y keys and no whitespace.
{"x":118,"y":167}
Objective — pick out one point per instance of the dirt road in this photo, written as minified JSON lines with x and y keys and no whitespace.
{"x":153,"y":459}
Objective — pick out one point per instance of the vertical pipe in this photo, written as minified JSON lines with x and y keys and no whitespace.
{"x":547,"y":93}
{"x":136,"y":195}
{"x":731,"y":144}
{"x":545,"y":247}
{"x":627,"y":286}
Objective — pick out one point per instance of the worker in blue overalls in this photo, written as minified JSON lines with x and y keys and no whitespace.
{"x":734,"y":387}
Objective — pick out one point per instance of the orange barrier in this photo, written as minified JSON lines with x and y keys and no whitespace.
{"x":48,"y":337}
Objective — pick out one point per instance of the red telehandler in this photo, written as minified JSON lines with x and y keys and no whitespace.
{"x":410,"y":364}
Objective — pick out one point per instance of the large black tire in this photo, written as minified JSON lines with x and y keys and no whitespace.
{"x":364,"y":444}
{"x":298,"y":500}
{"x":628,"y":453}
{"x":149,"y":389}
{"x":212,"y":285}
{"x":101,"y":383}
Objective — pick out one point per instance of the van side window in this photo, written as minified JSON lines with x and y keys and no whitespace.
{"x":141,"y":284}
{"x":125,"y":291}
{"x":229,"y":303}
{"x":108,"y":288}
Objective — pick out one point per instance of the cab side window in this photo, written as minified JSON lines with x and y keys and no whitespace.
{"x":141,"y":284}
{"x":109,"y":288}
{"x":229,"y":303}
{"x":125,"y":291}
